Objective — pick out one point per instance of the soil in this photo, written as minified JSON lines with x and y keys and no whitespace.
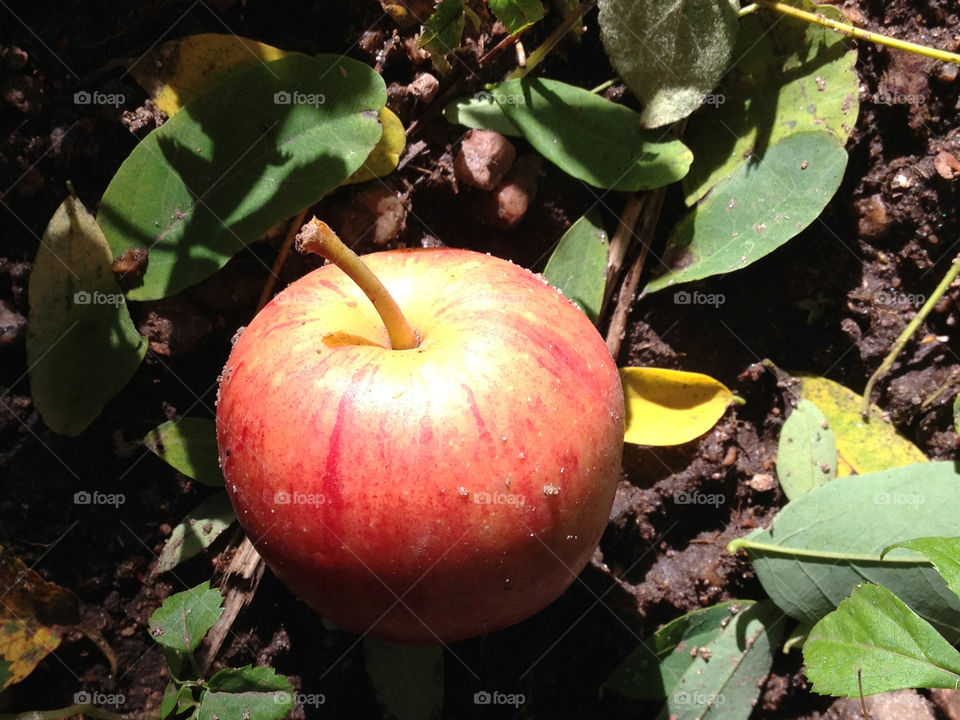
{"x":830,"y":302}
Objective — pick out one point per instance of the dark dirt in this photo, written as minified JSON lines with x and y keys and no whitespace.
{"x":830,"y":302}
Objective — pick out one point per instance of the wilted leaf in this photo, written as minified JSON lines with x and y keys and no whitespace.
{"x":670,"y":407}
{"x":654,"y":669}
{"x":30,"y":606}
{"x":258,"y":147}
{"x":196,"y":531}
{"x":865,"y":446}
{"x":670,"y":54}
{"x":790,"y":77}
{"x":383,"y":159}
{"x":184,"y":618}
{"x":578,"y":266}
{"x":82,"y":346}
{"x":806,"y":453}
{"x":189,"y":445}
{"x":180,"y":70}
{"x":875,"y":633}
{"x":723,"y":682}
{"x":517,"y":14}
{"x":943,"y":552}
{"x":754,"y":210}
{"x":407,"y":680}
{"x":251,"y":693}
{"x":591,"y":138}
{"x":443,"y":30}
{"x":825,"y":542}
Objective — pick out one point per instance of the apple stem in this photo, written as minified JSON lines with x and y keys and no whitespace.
{"x":317,"y":237}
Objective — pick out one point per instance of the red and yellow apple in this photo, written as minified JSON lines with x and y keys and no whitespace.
{"x":434,"y":492}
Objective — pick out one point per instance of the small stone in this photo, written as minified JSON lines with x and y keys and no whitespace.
{"x":485,"y":157}
{"x":946,"y":165}
{"x":762,"y":482}
{"x":510,"y":201}
{"x":424,"y":87}
{"x":874,"y":222}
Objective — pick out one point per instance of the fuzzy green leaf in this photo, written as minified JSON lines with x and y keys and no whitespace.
{"x":943,"y":552}
{"x":442,"y":32}
{"x":670,"y":54}
{"x":251,"y":693}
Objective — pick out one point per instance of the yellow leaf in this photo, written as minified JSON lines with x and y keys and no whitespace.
{"x":862,"y":447}
{"x":383,"y":159}
{"x":30,"y":605}
{"x":670,"y":407}
{"x":178,"y":71}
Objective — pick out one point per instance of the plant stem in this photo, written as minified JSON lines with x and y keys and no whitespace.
{"x":908,"y":333}
{"x":317,"y":237}
{"x":820,"y":19}
{"x":537,"y":56}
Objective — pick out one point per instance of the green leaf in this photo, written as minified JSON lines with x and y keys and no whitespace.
{"x":82,"y":346}
{"x":261,"y":145}
{"x":591,"y":138}
{"x":825,"y":542}
{"x":407,"y":680}
{"x":654,"y":669}
{"x":874,"y":632}
{"x":956,"y":414}
{"x":252,"y":693}
{"x":790,"y":77}
{"x":5,"y":674}
{"x":184,"y":618}
{"x":943,"y":552}
{"x":443,"y":30}
{"x":723,"y":682}
{"x":806,"y":453}
{"x":578,"y":266}
{"x":517,"y":14}
{"x":190,"y":446}
{"x":481,"y":111}
{"x":196,"y":531}
{"x":670,"y":54}
{"x":862,"y":446}
{"x":754,"y":210}
{"x":176,"y":698}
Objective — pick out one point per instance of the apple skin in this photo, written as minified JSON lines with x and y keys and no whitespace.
{"x":426,"y":495}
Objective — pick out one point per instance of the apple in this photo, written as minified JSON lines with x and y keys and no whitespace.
{"x":424,"y":475}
